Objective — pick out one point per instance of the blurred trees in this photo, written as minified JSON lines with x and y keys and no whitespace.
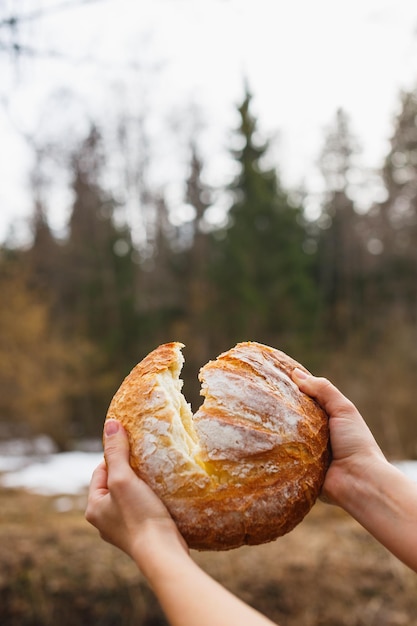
{"x":367,"y":279}
{"x":340,"y":253}
{"x":261,"y":273}
{"x":39,"y":366}
{"x":97,"y":289}
{"x":398,"y":214}
{"x":338,"y":293}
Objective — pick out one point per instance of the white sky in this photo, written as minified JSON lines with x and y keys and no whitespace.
{"x":303,"y":60}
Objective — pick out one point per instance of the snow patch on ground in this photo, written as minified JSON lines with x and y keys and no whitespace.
{"x":409,"y":468}
{"x":37,"y":468}
{"x":40,"y":470}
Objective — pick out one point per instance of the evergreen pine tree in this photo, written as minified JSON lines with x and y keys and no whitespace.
{"x":398,"y":214}
{"x":260,"y":271}
{"x":100,"y":254}
{"x":99,"y":288}
{"x":198,"y":331}
{"x":43,"y":255}
{"x":340,"y":249}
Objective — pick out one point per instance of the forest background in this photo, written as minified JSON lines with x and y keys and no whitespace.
{"x":336,"y":289}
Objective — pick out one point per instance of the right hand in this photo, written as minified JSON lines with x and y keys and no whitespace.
{"x":354,"y":449}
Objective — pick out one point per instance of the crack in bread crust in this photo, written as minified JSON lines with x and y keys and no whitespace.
{"x":248,"y":466}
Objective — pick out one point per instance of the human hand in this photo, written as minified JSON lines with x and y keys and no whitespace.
{"x":129,"y":515}
{"x":125,"y":510}
{"x":354,"y":449}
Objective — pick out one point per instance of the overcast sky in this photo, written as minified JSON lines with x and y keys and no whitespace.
{"x":171,"y":58}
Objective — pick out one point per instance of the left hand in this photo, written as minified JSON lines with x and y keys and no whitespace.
{"x":123,"y":507}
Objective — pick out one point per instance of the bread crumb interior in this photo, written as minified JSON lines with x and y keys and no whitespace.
{"x":182,"y":431}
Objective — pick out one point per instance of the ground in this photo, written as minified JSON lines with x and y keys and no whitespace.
{"x":54,"y":569}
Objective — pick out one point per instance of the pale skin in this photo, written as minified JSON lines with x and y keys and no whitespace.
{"x":360,"y":480}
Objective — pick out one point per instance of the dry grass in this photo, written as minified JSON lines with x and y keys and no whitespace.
{"x":54,"y":569}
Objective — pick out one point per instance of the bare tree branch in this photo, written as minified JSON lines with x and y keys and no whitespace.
{"x":14,"y":20}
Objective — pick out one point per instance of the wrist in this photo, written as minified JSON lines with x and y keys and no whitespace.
{"x":351,"y":484}
{"x":158,"y":544}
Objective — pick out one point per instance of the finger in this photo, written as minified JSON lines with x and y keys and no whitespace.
{"x":99,"y":478}
{"x":116,"y":452}
{"x":116,"y":444}
{"x":96,"y":492}
{"x":328,"y":396}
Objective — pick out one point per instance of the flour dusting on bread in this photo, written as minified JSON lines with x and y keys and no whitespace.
{"x":248,"y":466}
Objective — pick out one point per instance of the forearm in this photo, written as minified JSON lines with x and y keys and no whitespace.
{"x":186,"y":593}
{"x":384,"y":501}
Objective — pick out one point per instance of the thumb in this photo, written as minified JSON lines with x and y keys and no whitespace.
{"x":326,"y":394}
{"x":116,"y":443}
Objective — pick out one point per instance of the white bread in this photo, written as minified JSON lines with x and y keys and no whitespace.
{"x":248,"y":466}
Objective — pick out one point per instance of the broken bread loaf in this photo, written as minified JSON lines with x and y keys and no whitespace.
{"x":248,"y":466}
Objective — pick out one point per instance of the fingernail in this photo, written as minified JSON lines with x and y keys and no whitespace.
{"x":111,"y":427}
{"x":300,"y":374}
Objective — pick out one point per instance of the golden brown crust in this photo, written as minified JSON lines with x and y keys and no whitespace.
{"x":248,"y":466}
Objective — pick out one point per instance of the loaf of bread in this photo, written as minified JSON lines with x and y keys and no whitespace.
{"x":248,"y":466}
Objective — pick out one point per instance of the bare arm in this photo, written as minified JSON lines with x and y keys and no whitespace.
{"x":360,"y":479}
{"x":187,"y":594}
{"x":130,"y":516}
